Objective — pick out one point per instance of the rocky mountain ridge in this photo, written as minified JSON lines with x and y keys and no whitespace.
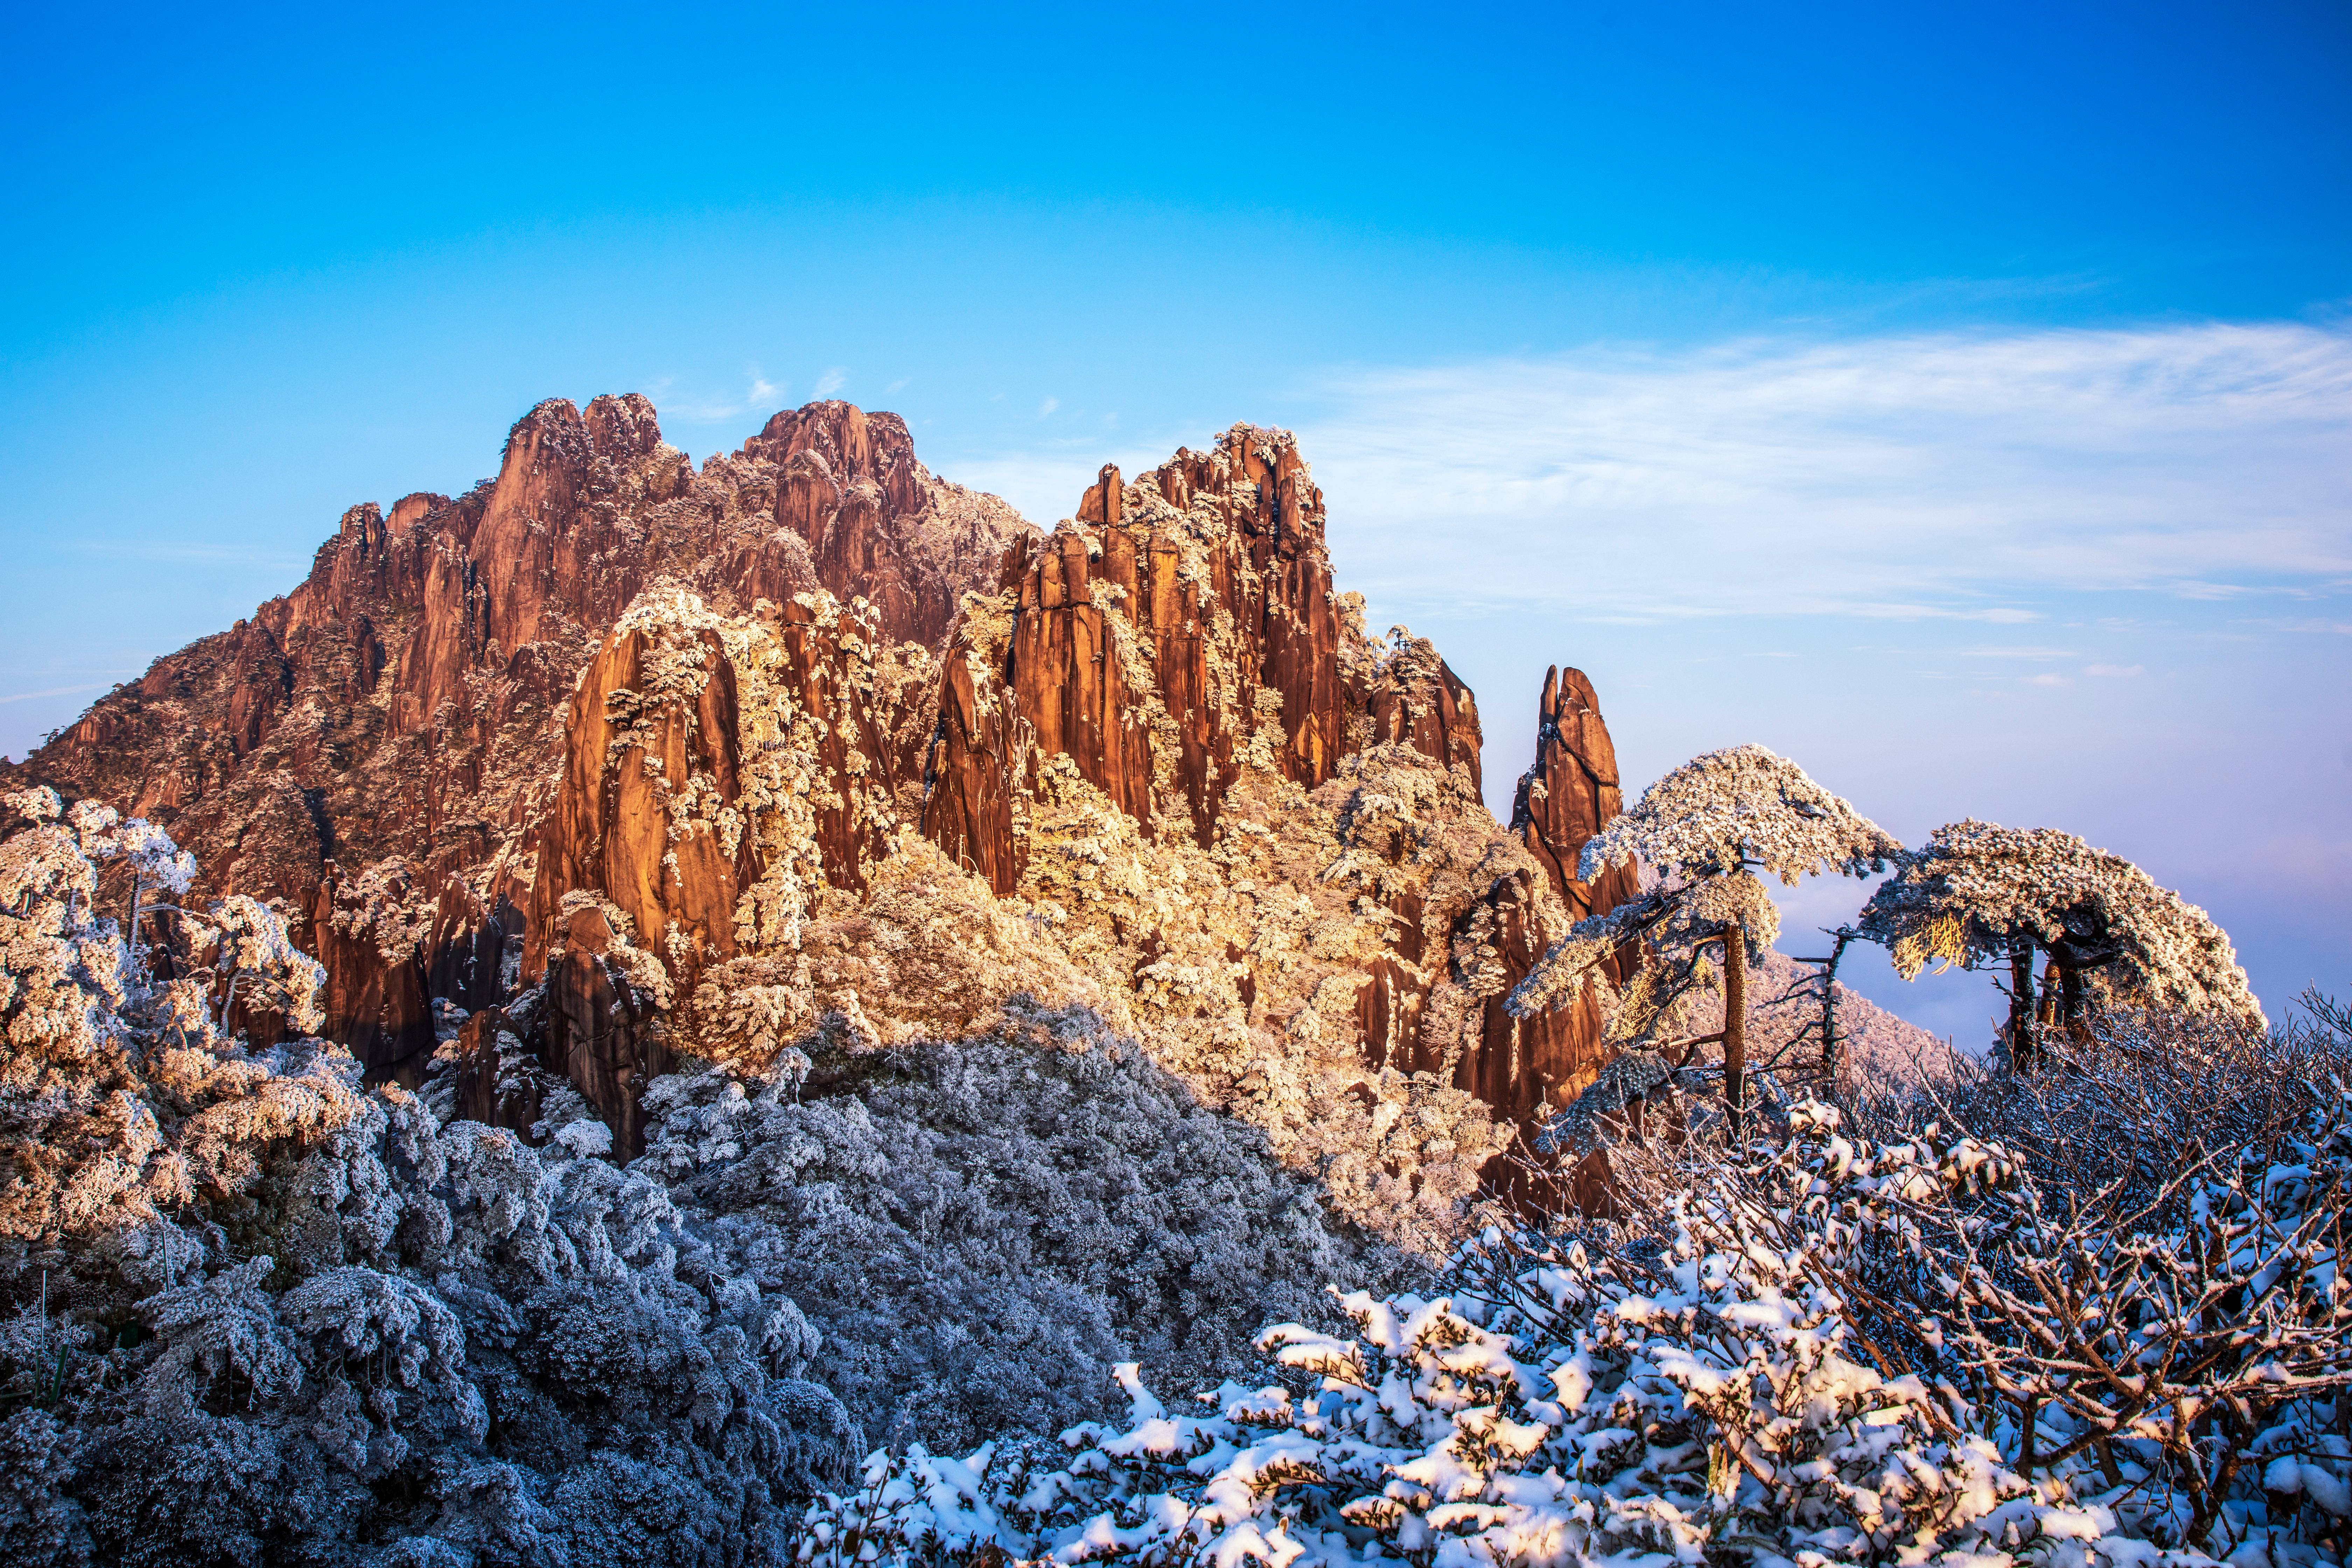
{"x":623,"y":763}
{"x":377,"y":747}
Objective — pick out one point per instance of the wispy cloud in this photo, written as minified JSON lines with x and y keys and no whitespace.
{"x":760,"y":395}
{"x":830,"y":382}
{"x":189,"y":554}
{"x":1045,"y":483}
{"x":52,"y":692}
{"x":1048,"y":407}
{"x":1903,"y":478}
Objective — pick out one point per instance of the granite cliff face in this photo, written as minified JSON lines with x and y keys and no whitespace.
{"x":626,"y":762}
{"x":388,"y":738}
{"x":1183,"y":627}
{"x":1177,"y":623}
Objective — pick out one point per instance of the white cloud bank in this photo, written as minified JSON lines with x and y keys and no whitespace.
{"x":1922,"y":476}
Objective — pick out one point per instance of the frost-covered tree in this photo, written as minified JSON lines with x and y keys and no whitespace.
{"x":253,"y":953}
{"x":120,"y":1100}
{"x":144,"y":853}
{"x":1705,"y":831}
{"x":1978,"y":894}
{"x":60,"y":962}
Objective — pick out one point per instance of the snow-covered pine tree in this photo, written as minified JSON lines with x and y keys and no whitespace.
{"x":1979,"y":894}
{"x":1705,"y":831}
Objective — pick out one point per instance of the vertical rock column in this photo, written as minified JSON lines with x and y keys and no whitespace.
{"x":1570,"y":794}
{"x":1566,"y":797}
{"x":1148,"y":639}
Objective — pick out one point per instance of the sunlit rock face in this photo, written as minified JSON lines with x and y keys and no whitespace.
{"x":632,"y":763}
{"x":1180,"y":629}
{"x":409,"y":702}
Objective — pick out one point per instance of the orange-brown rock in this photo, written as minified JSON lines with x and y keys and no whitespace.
{"x":594,"y":724}
{"x":1565,"y":797}
{"x":1152,"y":647}
{"x":877,"y":525}
{"x":684,"y":748}
{"x":613,"y":829}
{"x":407,"y":699}
{"x":378,"y":1001}
{"x":1150,"y":639}
{"x":1175,"y":621}
{"x":603,"y":1032}
{"x":1522,"y":1064}
{"x":1570,"y":793}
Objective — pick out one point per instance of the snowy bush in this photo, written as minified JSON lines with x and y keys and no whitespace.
{"x":981,"y":1229}
{"x":1718,"y":1384}
{"x":258,"y":1314}
{"x":122,"y":1098}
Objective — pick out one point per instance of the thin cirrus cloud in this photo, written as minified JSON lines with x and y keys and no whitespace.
{"x":676,"y":405}
{"x":1917,"y":477}
{"x":2053,"y":513}
{"x":52,"y":692}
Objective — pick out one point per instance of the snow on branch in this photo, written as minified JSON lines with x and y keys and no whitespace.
{"x":1977,"y":890}
{"x":1716,"y":1383}
{"x":1740,"y":807}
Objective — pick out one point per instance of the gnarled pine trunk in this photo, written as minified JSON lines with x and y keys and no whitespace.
{"x":1734,"y":1024}
{"x":2020,"y":1004}
{"x":2073,"y":1004}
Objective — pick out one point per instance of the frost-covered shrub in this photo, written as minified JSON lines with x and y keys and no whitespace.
{"x":254,"y":956}
{"x":465,"y":1312}
{"x":1716,"y":1383}
{"x":528,"y":1354}
{"x":257,"y":1311}
{"x":981,"y":1229}
{"x":122,"y":1098}
{"x":1237,"y":966}
{"x":2111,"y":1122}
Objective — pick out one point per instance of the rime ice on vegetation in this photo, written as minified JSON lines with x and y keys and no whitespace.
{"x":1977,"y":889}
{"x":1702,"y":1389}
{"x":660,"y":748}
{"x":844,"y":993}
{"x":1702,"y":832}
{"x":406,"y":705}
{"x":121,"y":1098}
{"x":1742,"y":807}
{"x":1219,"y":829}
{"x":263,"y":1305}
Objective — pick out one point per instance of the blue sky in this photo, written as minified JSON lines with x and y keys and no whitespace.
{"x":1957,"y":398}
